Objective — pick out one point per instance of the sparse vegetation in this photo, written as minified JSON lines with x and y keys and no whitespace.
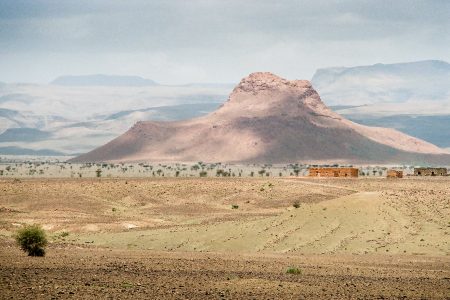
{"x":294,"y":270}
{"x":32,"y":239}
{"x":127,"y":285}
{"x":267,"y":222}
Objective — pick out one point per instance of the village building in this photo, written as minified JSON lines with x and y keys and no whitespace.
{"x":333,"y":172}
{"x":430,"y":171}
{"x":394,"y":174}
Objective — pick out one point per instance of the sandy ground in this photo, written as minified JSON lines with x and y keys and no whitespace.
{"x":229,"y":238}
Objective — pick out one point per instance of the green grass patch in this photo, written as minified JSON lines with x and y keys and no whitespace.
{"x":294,"y":271}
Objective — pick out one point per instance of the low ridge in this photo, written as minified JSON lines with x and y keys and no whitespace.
{"x":267,"y":119}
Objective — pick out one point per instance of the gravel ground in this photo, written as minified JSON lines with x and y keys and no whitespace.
{"x":70,"y":272}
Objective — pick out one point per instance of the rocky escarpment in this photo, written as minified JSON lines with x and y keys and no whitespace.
{"x":267,"y":119}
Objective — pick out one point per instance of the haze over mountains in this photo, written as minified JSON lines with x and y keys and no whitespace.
{"x":402,"y":83}
{"x":411,"y":97}
{"x":78,"y":116}
{"x":267,"y":119}
{"x":77,"y":119}
{"x":103,"y":80}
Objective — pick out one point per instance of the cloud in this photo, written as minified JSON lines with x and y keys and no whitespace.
{"x":215,"y":40}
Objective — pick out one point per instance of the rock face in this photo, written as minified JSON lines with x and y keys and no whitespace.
{"x":267,"y":119}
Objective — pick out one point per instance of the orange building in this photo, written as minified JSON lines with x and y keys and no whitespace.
{"x":333,"y":172}
{"x":394,"y":174}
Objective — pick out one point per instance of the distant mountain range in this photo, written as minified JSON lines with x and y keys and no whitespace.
{"x":432,"y":128}
{"x":21,"y":151}
{"x":77,"y":117}
{"x":102,"y":80}
{"x":402,"y":83}
{"x":267,"y":119}
{"x":411,"y":97}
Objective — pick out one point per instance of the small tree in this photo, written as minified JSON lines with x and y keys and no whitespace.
{"x":32,"y":239}
{"x":98,"y":172}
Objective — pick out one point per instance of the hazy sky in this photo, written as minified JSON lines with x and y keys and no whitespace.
{"x":179,"y":41}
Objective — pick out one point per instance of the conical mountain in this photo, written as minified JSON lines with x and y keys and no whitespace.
{"x":267,"y":119}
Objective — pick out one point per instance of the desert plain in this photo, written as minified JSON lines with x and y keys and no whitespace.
{"x":228,"y":238}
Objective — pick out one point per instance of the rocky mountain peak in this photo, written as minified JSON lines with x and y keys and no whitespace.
{"x":263,"y":81}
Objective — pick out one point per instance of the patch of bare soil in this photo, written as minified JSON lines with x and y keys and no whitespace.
{"x":87,"y":205}
{"x":88,"y":273}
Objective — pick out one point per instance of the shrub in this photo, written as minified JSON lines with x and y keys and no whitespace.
{"x":32,"y":239}
{"x":203,"y":174}
{"x":234,"y":206}
{"x":296,"y":204}
{"x":64,"y":234}
{"x":295,"y":271}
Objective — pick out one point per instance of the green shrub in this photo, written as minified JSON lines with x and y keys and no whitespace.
{"x":32,"y":239}
{"x":234,"y":206}
{"x":295,"y":271}
{"x":296,"y":204}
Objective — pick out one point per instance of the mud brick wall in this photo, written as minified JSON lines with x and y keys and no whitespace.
{"x":430,"y":171}
{"x":394,"y":174}
{"x":333,"y":172}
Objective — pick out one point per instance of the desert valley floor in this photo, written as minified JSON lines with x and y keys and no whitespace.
{"x":228,"y":238}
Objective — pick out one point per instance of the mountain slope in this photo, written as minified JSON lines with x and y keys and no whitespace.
{"x":267,"y":119}
{"x":412,"y":97}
